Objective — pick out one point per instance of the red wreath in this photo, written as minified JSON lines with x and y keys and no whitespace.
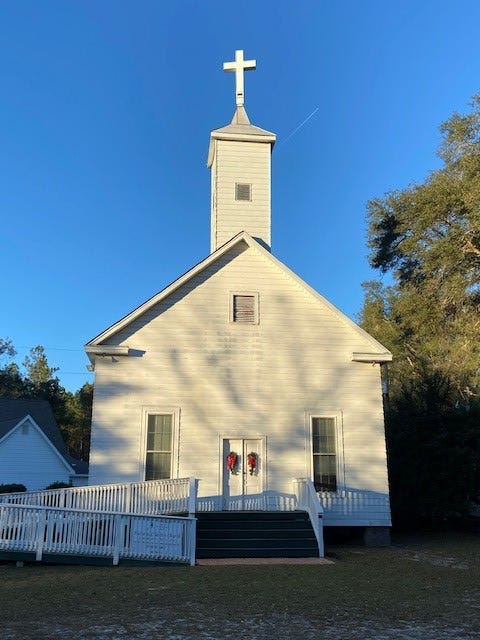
{"x":232,"y":461}
{"x":252,"y":462}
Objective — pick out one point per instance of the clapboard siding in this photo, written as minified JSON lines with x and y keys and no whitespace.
{"x":232,"y":380}
{"x":243,"y":162}
{"x":27,"y":458}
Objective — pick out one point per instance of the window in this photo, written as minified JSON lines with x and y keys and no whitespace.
{"x":324,"y":449}
{"x":244,"y":308}
{"x":243,"y":191}
{"x":158,"y":463}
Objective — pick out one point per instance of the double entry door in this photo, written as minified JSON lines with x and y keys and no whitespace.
{"x":243,"y":474}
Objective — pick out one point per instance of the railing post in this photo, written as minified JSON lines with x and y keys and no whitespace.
{"x":192,"y":497}
{"x":193,"y":540}
{"x":117,"y":538}
{"x":41,"y":534}
{"x":296,"y":491}
{"x":128,"y":499}
{"x":321,"y":544}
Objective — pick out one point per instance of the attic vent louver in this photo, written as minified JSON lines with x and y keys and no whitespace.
{"x":244,"y":309}
{"x":243,"y":191}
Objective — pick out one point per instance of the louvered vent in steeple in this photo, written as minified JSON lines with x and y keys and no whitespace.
{"x":243,"y":191}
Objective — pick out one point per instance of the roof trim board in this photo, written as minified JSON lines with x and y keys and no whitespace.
{"x":371,"y":357}
{"x":107,"y":350}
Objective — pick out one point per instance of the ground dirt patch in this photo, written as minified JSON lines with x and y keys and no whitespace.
{"x":423,"y":588}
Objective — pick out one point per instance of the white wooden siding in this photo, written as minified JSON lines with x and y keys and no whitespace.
{"x":240,"y":162}
{"x":26,"y":458}
{"x":242,"y":380}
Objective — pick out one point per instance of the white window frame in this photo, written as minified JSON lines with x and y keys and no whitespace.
{"x":256,"y":308}
{"x":160,"y":410}
{"x":337,"y":416}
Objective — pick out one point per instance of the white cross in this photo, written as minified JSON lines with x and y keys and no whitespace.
{"x":239,"y":66}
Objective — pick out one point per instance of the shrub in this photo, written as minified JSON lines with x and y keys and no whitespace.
{"x":59,"y":485}
{"x":12,"y":488}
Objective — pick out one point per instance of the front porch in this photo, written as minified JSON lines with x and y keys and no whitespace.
{"x":152,"y":521}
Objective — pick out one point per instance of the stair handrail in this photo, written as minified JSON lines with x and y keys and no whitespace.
{"x":308,"y":500}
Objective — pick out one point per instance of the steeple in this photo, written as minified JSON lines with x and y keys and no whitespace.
{"x":239,"y":157}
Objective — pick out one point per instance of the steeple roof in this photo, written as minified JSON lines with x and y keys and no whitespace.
{"x":239,"y":129}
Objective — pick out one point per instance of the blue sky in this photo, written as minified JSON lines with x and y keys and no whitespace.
{"x":106,"y":109}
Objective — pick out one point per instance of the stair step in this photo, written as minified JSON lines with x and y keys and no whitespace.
{"x":255,"y":534}
{"x":259,"y":515}
{"x":241,"y":519}
{"x":259,"y":543}
{"x":257,"y":553}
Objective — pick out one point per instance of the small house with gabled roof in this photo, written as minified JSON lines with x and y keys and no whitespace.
{"x":32,"y":449}
{"x":239,"y":373}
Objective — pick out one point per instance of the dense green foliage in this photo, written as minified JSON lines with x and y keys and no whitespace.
{"x":59,"y":485}
{"x":427,"y":239}
{"x":12,"y":488}
{"x":72,"y":411}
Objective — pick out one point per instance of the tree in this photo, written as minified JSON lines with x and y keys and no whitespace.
{"x":78,"y":420}
{"x":427,"y":239}
{"x":71,"y":410}
{"x":6,"y":347}
{"x":12,"y":384}
{"x":38,"y":370}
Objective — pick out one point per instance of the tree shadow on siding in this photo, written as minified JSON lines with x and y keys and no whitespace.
{"x":248,"y":380}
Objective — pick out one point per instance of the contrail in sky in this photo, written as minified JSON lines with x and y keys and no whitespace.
{"x":299,"y":126}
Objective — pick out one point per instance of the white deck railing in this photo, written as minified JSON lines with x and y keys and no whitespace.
{"x":39,"y":530}
{"x":308,"y":500}
{"x":153,"y":497}
{"x":355,"y":508}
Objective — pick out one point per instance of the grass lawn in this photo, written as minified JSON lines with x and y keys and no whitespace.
{"x":424,"y":587}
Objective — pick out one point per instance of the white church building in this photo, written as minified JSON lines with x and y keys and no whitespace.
{"x":239,"y":374}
